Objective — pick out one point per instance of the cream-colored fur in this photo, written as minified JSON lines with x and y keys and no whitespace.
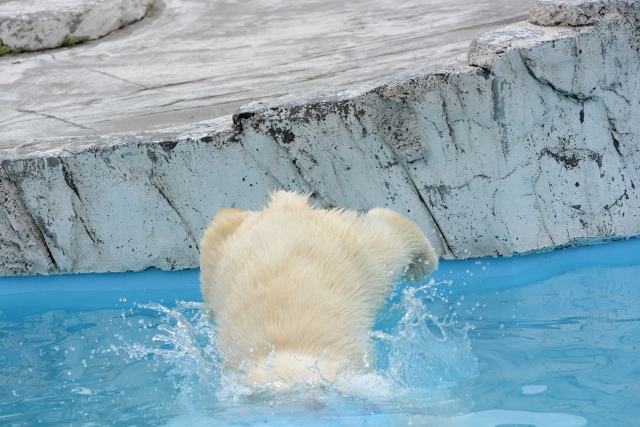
{"x":295,"y":290}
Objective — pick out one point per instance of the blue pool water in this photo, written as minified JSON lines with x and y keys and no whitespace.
{"x":546,"y":340}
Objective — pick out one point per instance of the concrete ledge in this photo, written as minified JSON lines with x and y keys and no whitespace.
{"x":36,"y":24}
{"x":532,"y":145}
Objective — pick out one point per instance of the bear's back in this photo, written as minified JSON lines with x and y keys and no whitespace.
{"x":300,"y":280}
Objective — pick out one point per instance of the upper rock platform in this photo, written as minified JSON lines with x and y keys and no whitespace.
{"x":194,"y":60}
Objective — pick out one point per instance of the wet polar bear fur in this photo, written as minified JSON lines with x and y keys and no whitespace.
{"x":295,"y":290}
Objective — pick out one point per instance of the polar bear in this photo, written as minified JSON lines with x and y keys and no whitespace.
{"x":295,"y":290}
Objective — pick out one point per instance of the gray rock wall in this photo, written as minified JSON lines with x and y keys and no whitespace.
{"x":531,"y":145}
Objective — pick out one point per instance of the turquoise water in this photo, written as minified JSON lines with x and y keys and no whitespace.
{"x":543,"y":340}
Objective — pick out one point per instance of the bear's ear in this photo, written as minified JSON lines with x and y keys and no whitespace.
{"x":224,"y":224}
{"x":288,"y":199}
{"x":402,"y":243}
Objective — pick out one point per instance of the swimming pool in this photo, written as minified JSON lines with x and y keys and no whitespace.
{"x":542,"y":340}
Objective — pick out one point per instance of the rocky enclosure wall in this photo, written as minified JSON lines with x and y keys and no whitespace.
{"x":533,"y":144}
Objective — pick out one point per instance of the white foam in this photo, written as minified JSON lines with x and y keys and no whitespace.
{"x":533,"y":389}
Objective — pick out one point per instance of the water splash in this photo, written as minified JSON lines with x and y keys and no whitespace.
{"x":415,"y":352}
{"x":188,"y":343}
{"x":423,"y":351}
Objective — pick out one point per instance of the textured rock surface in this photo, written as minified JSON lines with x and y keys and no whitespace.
{"x":38,"y":24}
{"x":194,"y":60}
{"x":578,"y":12}
{"x":532,"y":145}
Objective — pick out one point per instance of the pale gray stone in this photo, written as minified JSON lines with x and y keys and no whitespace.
{"x":578,"y":12}
{"x":194,"y":60}
{"x":22,"y":247}
{"x":37,"y":24}
{"x":486,"y":48}
{"x":531,"y":146}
